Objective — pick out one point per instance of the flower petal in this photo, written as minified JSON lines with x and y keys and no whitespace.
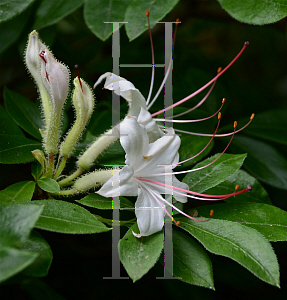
{"x":134,"y":140}
{"x":127,"y":185}
{"x":149,"y":213}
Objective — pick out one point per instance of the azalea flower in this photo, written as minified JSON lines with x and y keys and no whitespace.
{"x":142,"y":160}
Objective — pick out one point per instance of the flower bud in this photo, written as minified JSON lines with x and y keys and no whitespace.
{"x":93,"y":180}
{"x":33,"y":63}
{"x":83,"y":100}
{"x":40,"y":156}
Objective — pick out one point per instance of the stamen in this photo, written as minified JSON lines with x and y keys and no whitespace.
{"x":77,"y":67}
{"x":211,"y":213}
{"x":206,"y":85}
{"x":203,"y":99}
{"x":153,"y":61}
{"x":219,"y":118}
{"x":237,"y":187}
{"x":191,"y":121}
{"x":208,"y":134}
{"x":43,"y":57}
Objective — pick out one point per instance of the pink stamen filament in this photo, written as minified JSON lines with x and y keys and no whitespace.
{"x":208,"y":134}
{"x":153,"y":61}
{"x":206,"y":85}
{"x":189,"y":121}
{"x":43,"y":57}
{"x":77,"y":69}
{"x":199,"y":103}
{"x":248,"y":188}
{"x":203,"y":148}
{"x":174,"y":207}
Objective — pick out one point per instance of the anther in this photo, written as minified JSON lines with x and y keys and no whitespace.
{"x":249,"y":187}
{"x":147,"y":13}
{"x":211,"y":213}
{"x":177,"y":21}
{"x":219,"y":115}
{"x":235,"y":124}
{"x":252,"y":116}
{"x":76,"y":67}
{"x":223,"y":100}
{"x":177,"y":223}
{"x":237,"y":187}
{"x":219,"y":70}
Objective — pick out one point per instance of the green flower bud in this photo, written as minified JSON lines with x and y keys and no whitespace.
{"x":93,"y":180}
{"x":40,"y":156}
{"x":83,"y":100}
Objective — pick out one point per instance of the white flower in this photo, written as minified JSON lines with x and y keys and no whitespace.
{"x":136,"y":102}
{"x":143,"y":160}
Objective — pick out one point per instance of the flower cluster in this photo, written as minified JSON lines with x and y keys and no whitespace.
{"x":151,"y":149}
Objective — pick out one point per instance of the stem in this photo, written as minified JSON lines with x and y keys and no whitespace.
{"x":61,"y":167}
{"x":68,"y":179}
{"x":50,"y":167}
{"x":66,"y":192}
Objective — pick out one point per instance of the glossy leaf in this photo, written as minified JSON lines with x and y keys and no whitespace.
{"x":24,"y":112}
{"x":214,"y":174}
{"x":96,"y":12}
{"x":100,"y":202}
{"x":12,"y":261}
{"x":190,"y":262}
{"x":36,"y":171}
{"x":37,"y":245}
{"x":240,"y":177}
{"x":64,"y":217}
{"x":139,"y":255}
{"x":267,"y":219}
{"x":15,"y":149}
{"x":17,"y":193}
{"x":263,"y":161}
{"x":137,"y":19}
{"x":7,"y":124}
{"x":190,"y":146}
{"x":256,"y":12}
{"x":9,"y":9}
{"x":270,"y":125}
{"x":240,"y":243}
{"x":17,"y":221}
{"x":51,"y":11}
{"x":49,"y":185}
{"x":10,"y":30}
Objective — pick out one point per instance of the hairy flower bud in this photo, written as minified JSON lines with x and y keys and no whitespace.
{"x":83,"y":100}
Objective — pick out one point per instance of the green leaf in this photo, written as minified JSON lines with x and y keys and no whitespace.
{"x":100,"y":202}
{"x":15,"y":149}
{"x":9,"y":9}
{"x":267,"y":219}
{"x":17,"y":193}
{"x":10,"y":30}
{"x":270,"y":125}
{"x":49,"y":185}
{"x":240,"y":243}
{"x":7,"y":124}
{"x":17,"y":221}
{"x":256,"y":12}
{"x":24,"y":112}
{"x":137,"y":19}
{"x":51,"y":11}
{"x":37,"y":245}
{"x":139,"y":255}
{"x":36,"y":171}
{"x":96,"y":12}
{"x":64,"y":217}
{"x":201,"y":180}
{"x":190,"y":262}
{"x":190,"y":146}
{"x":263,"y":161}
{"x":13,"y":261}
{"x":240,"y":177}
